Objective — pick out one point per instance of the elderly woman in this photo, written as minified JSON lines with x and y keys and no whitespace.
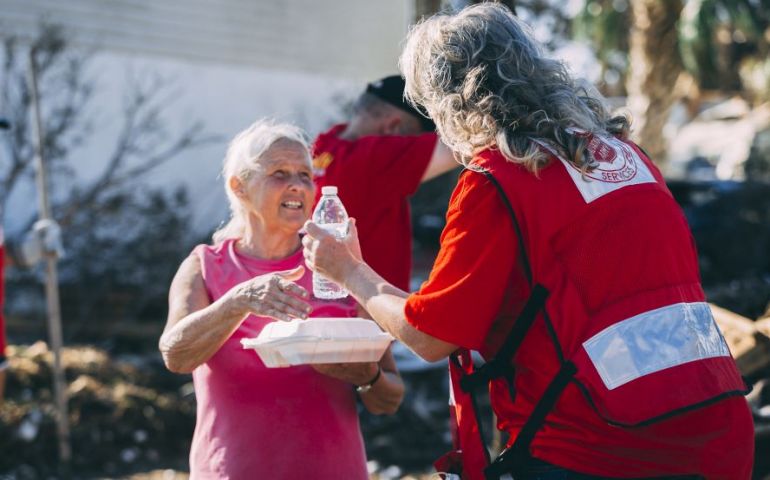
{"x":255,"y":422}
{"x":566,"y":262}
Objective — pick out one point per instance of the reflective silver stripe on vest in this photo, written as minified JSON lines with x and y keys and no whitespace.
{"x":655,"y":340}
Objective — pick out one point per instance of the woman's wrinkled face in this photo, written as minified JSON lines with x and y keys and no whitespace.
{"x":280,"y":191}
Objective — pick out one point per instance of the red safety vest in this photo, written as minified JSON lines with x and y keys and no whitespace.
{"x":635,"y":336}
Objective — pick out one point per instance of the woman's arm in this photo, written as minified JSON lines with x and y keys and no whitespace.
{"x":387,"y":392}
{"x":196,"y":328}
{"x":441,"y":161}
{"x":386,"y":303}
{"x":341,"y":261}
{"x":475,"y":270}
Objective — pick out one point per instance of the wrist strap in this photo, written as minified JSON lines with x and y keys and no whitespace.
{"x":365,"y":387}
{"x":376,"y":376}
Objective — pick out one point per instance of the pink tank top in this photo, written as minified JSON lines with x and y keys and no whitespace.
{"x":270,"y":423}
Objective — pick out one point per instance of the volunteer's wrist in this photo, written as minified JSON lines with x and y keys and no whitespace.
{"x":351,"y":273}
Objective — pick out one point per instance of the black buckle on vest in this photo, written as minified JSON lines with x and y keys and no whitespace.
{"x":485,"y":373}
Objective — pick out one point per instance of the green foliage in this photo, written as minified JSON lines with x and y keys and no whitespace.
{"x":119,"y":263}
{"x":715,"y":36}
{"x":696,"y":46}
{"x":605,"y":25}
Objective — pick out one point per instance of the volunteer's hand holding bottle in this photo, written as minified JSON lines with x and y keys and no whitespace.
{"x":331,"y":217}
{"x":331,"y":256}
{"x":330,"y":220}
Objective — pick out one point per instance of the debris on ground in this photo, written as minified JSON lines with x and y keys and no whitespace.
{"x":126,"y":414}
{"x":131,"y":418}
{"x":749,"y":345}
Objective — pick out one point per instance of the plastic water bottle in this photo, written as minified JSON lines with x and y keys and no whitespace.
{"x":330,"y":215}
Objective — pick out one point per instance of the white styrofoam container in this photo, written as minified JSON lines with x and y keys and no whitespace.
{"x":319,"y":340}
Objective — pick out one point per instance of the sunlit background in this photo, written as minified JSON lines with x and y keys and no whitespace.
{"x":139,"y":99}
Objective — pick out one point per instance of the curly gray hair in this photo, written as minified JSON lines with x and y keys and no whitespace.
{"x":486,"y":83}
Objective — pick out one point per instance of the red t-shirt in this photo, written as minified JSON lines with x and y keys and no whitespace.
{"x":460,"y":303}
{"x":375,"y":176}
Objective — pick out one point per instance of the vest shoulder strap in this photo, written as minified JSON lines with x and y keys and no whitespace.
{"x":500,"y":365}
{"x":517,"y":228}
{"x":508,"y":459}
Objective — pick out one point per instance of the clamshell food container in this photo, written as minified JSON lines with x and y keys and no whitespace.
{"x":319,"y":340}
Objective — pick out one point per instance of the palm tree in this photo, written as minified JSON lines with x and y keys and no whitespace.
{"x":655,"y":65}
{"x":605,"y":24}
{"x":677,"y":49}
{"x":724,"y":42}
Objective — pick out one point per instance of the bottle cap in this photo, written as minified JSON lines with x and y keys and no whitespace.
{"x":329,"y":190}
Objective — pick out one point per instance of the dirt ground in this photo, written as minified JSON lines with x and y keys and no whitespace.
{"x":131,"y":418}
{"x":125,"y":415}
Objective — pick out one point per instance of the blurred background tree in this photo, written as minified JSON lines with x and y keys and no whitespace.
{"x":123,"y":238}
{"x":654,"y":67}
{"x":687,"y":50}
{"x":658,"y":52}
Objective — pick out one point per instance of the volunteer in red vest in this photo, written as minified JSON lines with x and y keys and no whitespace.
{"x":377,"y":161}
{"x":567,"y":264}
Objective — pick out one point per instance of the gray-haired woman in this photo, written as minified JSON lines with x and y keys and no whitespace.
{"x":252,"y":421}
{"x":566,"y":262}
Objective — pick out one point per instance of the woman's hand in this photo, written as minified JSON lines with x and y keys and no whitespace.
{"x":387,"y":392}
{"x":272,"y":295}
{"x":330,"y":256}
{"x":355,"y":373}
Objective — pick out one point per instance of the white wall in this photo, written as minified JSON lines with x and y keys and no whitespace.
{"x":344,"y":38}
{"x":232,"y":61}
{"x":226,"y":98}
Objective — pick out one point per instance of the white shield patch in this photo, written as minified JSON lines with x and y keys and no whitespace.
{"x":618,"y":166}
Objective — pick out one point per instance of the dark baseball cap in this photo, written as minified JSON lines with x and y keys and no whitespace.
{"x":391,"y":90}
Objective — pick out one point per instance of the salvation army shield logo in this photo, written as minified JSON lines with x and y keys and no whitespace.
{"x":616,"y":161}
{"x":617,"y":166}
{"x":601,"y":151}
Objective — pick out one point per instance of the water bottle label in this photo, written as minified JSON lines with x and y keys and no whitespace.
{"x":339,"y":230}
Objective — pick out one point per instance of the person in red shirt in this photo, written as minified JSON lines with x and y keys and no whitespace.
{"x":567,"y":264}
{"x":377,"y":161}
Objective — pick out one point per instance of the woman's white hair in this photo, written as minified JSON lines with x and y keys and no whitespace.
{"x":241,"y":160}
{"x":486,"y":83}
